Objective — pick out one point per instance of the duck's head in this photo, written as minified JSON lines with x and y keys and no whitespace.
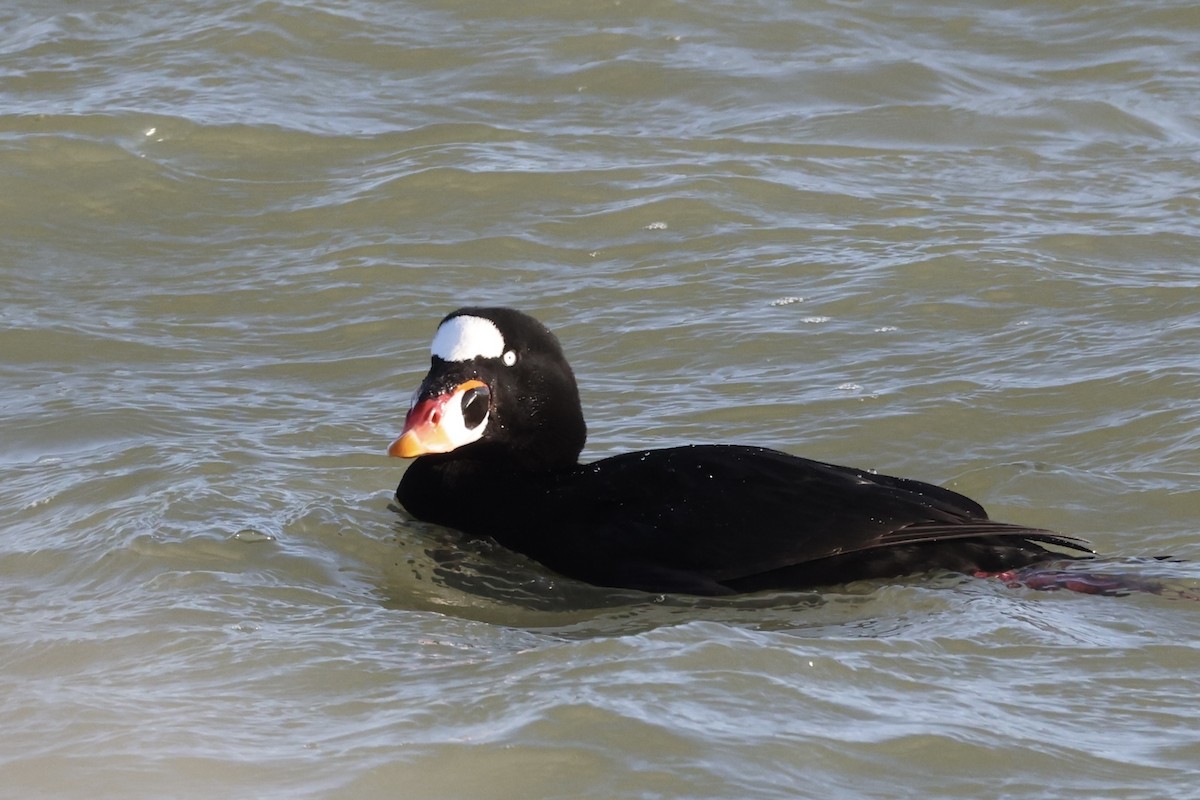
{"x":498,"y":385}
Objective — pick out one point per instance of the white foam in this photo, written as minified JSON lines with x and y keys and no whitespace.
{"x":466,"y":337}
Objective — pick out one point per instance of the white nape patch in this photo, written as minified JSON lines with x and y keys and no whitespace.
{"x":466,"y":337}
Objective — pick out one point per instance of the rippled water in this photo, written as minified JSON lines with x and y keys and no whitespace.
{"x":956,"y":242}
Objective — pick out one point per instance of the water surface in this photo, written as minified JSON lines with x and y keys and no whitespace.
{"x":952,"y":242}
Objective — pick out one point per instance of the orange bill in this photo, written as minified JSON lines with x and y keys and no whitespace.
{"x":424,"y":431}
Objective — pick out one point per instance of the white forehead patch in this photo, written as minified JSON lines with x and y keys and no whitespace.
{"x":463,"y":338}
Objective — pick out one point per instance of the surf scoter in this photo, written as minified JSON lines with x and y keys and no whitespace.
{"x":497,"y":428}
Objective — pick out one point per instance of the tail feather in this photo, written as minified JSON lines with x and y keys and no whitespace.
{"x":942,"y":532}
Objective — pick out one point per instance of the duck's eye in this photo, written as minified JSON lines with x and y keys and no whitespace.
{"x":475,"y":405}
{"x":510,"y":357}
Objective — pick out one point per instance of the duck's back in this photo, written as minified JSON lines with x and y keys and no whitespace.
{"x":711,"y":519}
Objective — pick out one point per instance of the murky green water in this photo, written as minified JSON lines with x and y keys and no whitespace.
{"x":953,"y":242}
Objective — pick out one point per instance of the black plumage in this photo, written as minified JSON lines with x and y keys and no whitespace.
{"x":702,"y":519}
